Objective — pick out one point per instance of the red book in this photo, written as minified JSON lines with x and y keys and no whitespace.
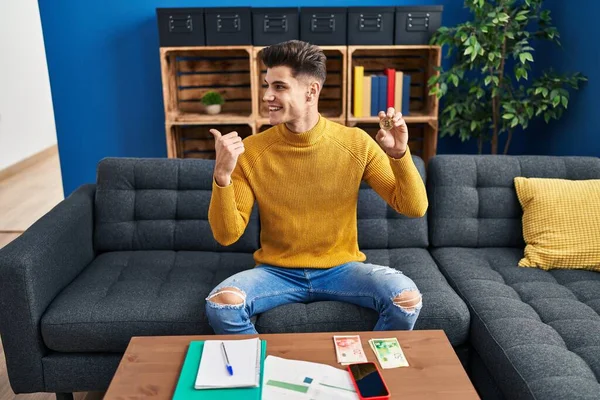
{"x":391,"y":83}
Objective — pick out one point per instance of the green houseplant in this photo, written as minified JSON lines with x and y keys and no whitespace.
{"x":488,"y":89}
{"x":212,"y":101}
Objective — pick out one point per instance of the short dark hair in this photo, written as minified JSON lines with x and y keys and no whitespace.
{"x":302,"y":57}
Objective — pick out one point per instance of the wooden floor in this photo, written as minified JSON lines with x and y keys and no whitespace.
{"x":24,"y":198}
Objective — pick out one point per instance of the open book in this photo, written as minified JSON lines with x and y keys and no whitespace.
{"x":244,"y":358}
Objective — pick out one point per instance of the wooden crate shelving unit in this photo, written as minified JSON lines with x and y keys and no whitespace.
{"x":238,"y":74}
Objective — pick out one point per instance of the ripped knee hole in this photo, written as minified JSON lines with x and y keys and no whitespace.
{"x":408,"y":300}
{"x":228,"y":295}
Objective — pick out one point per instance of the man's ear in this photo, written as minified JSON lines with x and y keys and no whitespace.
{"x":314,"y":88}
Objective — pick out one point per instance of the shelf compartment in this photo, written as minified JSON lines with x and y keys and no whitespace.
{"x":417,"y":61}
{"x":333,"y":94}
{"x":196,"y":141}
{"x":188,"y":73}
{"x":422,"y":137}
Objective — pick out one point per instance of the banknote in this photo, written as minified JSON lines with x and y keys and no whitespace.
{"x":388,"y":352}
{"x":349,"y":350}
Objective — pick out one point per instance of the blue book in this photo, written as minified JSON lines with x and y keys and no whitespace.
{"x":185,"y":386}
{"x":406,"y":94}
{"x":382,"y":102}
{"x":374,"y":95}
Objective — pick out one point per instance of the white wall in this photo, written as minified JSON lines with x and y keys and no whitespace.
{"x":26,"y":115}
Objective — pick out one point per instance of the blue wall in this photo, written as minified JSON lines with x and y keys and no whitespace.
{"x":578,"y":131}
{"x":105,"y":76}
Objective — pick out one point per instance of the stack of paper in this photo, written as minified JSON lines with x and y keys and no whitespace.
{"x":244,"y":357}
{"x":303,"y":380}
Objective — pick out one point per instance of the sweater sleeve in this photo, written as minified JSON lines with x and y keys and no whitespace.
{"x":397,"y":181}
{"x":230,"y":208}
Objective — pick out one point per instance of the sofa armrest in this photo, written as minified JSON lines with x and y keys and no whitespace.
{"x":34,"y":268}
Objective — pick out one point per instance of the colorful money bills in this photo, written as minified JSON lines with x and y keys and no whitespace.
{"x":349,"y":350}
{"x":389,"y":353}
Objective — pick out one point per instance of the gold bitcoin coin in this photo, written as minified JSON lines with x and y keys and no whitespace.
{"x":386,"y":123}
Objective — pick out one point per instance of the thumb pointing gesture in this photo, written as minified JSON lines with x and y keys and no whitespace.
{"x":227,"y":150}
{"x":216,"y":134}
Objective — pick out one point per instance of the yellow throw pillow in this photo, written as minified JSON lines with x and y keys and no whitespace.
{"x":561,"y":223}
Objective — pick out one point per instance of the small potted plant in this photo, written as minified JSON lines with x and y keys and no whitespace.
{"x":212,"y":102}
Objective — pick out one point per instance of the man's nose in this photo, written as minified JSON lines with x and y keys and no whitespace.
{"x":268,"y":95}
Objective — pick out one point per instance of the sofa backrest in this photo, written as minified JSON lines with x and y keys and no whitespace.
{"x":381,"y":227}
{"x":472,"y":198}
{"x":159,"y":204}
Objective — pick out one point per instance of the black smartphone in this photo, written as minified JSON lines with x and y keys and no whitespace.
{"x":368,"y":381}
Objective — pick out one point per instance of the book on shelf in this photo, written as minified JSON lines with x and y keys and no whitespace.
{"x":358,"y":90}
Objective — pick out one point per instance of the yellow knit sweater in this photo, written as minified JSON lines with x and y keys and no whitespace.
{"x":306,"y":187}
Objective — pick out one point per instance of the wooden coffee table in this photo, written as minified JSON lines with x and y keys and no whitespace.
{"x":151,"y":365}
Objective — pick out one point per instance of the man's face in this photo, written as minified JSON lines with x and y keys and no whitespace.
{"x":285,"y":95}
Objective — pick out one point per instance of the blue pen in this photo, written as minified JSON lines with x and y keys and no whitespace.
{"x":227,"y":364}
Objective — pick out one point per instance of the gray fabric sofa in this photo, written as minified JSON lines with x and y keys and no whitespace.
{"x":133,"y":255}
{"x":534,"y":334}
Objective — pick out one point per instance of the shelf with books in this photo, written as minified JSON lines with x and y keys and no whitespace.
{"x":195,"y":140}
{"x":396,"y":76}
{"x":190,"y":72}
{"x":332,"y":102}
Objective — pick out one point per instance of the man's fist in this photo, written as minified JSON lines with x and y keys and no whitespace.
{"x":395,"y":141}
{"x":228,"y":148}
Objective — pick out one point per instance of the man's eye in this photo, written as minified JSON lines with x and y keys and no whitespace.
{"x":279,"y":87}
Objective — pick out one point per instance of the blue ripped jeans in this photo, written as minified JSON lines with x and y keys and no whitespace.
{"x":265,"y":287}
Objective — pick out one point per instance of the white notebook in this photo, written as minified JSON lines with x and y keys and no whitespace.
{"x":244,"y":357}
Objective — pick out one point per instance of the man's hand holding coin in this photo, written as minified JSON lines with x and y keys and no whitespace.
{"x":393,"y":135}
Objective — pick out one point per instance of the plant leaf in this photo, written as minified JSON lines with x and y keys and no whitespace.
{"x":508,"y":116}
{"x":454,"y":80}
{"x":556,"y":101}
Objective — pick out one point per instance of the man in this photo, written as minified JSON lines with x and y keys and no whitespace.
{"x":304,"y":173}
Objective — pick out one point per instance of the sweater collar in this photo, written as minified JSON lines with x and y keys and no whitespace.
{"x":307,"y":138}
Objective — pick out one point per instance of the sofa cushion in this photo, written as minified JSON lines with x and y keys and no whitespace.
{"x":536,"y":330}
{"x":381,"y":227}
{"x":472,"y":199}
{"x":561,"y":222}
{"x":159,"y":204}
{"x":125,"y":294}
{"x":442,"y":308}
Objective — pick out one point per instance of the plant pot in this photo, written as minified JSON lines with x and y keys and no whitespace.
{"x":213,"y":109}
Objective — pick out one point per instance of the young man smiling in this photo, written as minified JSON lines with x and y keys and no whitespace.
{"x":304,"y":173}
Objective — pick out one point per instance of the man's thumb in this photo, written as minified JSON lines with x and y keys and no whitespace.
{"x":215,"y":133}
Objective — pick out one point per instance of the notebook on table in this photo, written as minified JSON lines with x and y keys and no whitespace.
{"x":204,"y":367}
